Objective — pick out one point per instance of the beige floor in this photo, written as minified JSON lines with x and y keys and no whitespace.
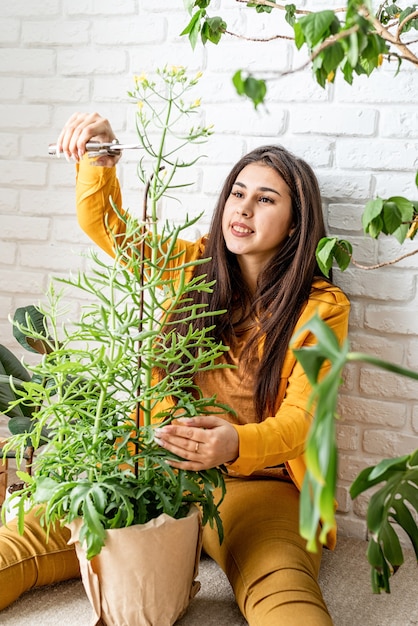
{"x":344,"y":580}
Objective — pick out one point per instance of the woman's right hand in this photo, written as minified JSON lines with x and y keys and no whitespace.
{"x":79,"y":130}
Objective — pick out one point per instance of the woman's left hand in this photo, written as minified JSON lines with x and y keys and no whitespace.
{"x":204,"y":442}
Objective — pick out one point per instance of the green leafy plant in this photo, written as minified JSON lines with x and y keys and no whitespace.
{"x":390,"y":507}
{"x":13,"y":375}
{"x":94,"y":392}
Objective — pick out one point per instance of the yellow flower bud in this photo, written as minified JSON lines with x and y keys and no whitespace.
{"x":140,"y":78}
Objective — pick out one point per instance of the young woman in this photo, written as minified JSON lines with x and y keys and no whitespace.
{"x":262,"y":241}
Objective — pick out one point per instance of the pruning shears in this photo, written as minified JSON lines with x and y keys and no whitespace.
{"x":95,"y":148}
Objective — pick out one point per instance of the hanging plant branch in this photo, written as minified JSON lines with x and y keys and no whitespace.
{"x":405,"y":52}
{"x":357,"y":45}
{"x":396,"y":216}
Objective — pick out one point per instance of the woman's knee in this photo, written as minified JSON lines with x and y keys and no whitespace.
{"x":282,"y":590}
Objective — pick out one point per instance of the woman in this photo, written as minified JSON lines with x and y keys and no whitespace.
{"x":262,"y":241}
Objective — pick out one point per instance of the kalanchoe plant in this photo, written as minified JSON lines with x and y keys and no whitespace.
{"x":100,"y":462}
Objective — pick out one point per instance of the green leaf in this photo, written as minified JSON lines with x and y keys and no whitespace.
{"x":363,"y":482}
{"x":212,"y":30}
{"x":372,"y":210}
{"x":409,"y":492}
{"x":404,"y":206}
{"x":381,"y":469}
{"x":371,"y":54}
{"x":92,"y":521}
{"x":290,"y":13}
{"x":406,"y":27}
{"x":374,"y":554}
{"x":309,"y":513}
{"x":255,"y":89}
{"x":353,"y":50}
{"x":403,"y":517}
{"x":7,"y":394}
{"x":392,"y":218}
{"x":327,"y":340}
{"x":261,"y":8}
{"x":299,"y":35}
{"x":330,"y":248}
{"x":29,"y":317}
{"x":343,"y":252}
{"x":20,"y":424}
{"x":250,"y":87}
{"x":311,"y":362}
{"x":332,"y":57}
{"x":238,"y":82}
{"x":397,"y":214}
{"x":11,"y":366}
{"x":316,"y":25}
{"x":324,"y":253}
{"x":372,"y":218}
{"x":193,"y":28}
{"x":45,"y":488}
{"x":391,"y":546}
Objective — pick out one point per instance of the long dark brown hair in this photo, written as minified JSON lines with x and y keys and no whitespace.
{"x":284,"y":284}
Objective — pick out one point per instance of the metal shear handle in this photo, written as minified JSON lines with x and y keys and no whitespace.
{"x":95,"y":148}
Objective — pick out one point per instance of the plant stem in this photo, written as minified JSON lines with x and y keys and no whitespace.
{"x":111,"y":355}
{"x":390,"y":367}
{"x":154,"y":195}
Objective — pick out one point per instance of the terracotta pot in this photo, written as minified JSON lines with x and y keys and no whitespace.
{"x":145,"y":574}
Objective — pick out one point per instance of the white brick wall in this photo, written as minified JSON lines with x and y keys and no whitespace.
{"x":58,"y":56}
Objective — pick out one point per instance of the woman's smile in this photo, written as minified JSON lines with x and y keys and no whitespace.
{"x":240,"y":230}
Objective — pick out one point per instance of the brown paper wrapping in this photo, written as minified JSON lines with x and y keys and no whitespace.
{"x":145,"y":574}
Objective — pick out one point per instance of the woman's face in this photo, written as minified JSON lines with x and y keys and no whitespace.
{"x":257,"y":217}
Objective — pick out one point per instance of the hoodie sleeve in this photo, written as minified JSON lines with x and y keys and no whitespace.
{"x":96,"y":189}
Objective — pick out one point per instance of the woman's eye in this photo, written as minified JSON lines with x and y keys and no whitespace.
{"x":265,"y":199}
{"x":237,"y":194}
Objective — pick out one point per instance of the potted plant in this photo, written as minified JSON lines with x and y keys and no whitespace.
{"x":96,"y":400}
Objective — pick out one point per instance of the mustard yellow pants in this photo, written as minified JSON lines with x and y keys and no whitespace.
{"x":273,"y":577}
